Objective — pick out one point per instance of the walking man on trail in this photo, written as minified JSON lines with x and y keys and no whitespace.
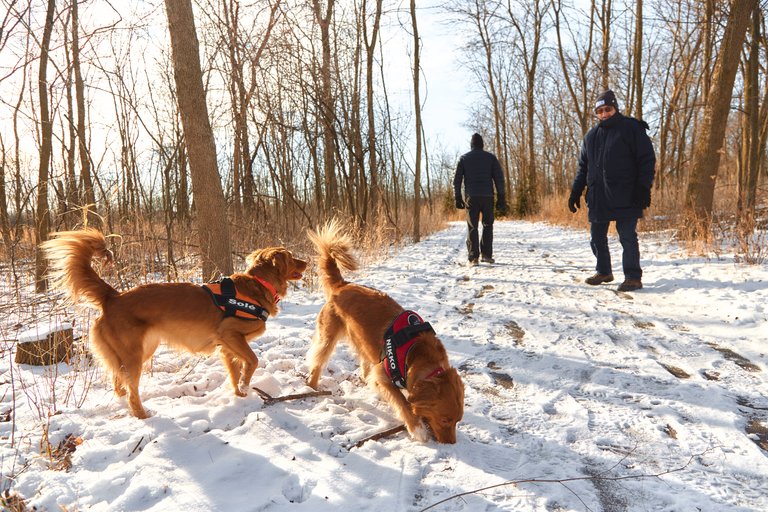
{"x":617,"y":166}
{"x":480,"y":171}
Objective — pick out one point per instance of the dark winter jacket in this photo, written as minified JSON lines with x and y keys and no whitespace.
{"x":616,"y":156}
{"x":479,"y":170}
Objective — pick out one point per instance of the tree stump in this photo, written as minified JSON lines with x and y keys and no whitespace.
{"x":45,"y":345}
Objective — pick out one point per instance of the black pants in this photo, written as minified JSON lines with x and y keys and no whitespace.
{"x":630,"y":259}
{"x":477,"y":245}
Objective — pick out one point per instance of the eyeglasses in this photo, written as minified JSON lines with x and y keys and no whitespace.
{"x":604,"y":110}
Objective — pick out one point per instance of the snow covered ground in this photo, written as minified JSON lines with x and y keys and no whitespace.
{"x":591,"y":400}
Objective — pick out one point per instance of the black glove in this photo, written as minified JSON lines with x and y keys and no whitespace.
{"x":460,"y":203}
{"x":574,"y":201}
{"x":642,"y":197}
{"x":501,"y":206}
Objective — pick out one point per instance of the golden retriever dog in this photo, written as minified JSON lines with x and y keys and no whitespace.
{"x":183,"y":315}
{"x":365,"y":317}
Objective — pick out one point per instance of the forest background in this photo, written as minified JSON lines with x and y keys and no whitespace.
{"x":199,"y":130}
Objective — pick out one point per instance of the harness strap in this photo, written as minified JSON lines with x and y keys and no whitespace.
{"x":224,"y":295}
{"x":398,"y":341}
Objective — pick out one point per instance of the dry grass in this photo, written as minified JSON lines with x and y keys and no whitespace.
{"x":747,"y":238}
{"x":149,"y":251}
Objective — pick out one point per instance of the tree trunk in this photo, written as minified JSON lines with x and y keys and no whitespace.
{"x":417,"y":111}
{"x":751,"y":134}
{"x":637,"y":61}
{"x":708,"y":36}
{"x":43,"y":214}
{"x":240,"y":150}
{"x":89,"y":197}
{"x":605,"y":28}
{"x":370,"y":47}
{"x":706,"y":154}
{"x":578,"y":98}
{"x":70,"y":199}
{"x":327,"y":107}
{"x":212,"y":225}
{"x":5,"y":226}
{"x":527,"y":21}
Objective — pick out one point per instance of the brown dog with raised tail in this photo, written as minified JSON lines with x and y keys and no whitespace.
{"x":183,"y":315}
{"x":396,"y":348}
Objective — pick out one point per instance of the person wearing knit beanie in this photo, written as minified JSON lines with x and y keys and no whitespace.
{"x":606,"y":99}
{"x":617,"y":167}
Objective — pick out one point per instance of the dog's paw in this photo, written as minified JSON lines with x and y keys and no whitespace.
{"x":419,"y":433}
{"x":142,"y":414}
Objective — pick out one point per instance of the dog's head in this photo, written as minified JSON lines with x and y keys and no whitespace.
{"x":439,"y":401}
{"x":285,"y":265}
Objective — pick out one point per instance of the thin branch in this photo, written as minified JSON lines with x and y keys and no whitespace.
{"x":269,"y":399}
{"x":562,"y":481}
{"x":137,"y":445}
{"x":380,"y":435}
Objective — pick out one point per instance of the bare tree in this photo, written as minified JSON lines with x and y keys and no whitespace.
{"x":578,"y":65}
{"x":417,"y":112}
{"x":213,"y":228}
{"x":370,"y":50}
{"x":751,"y":149}
{"x":636,"y":84}
{"x":677,"y":87}
{"x":606,"y":13}
{"x":88,"y":194}
{"x":706,"y":154}
{"x":527,"y":20}
{"x":10,"y":20}
{"x":323,"y":18}
{"x":43,"y":214}
{"x":5,"y":227}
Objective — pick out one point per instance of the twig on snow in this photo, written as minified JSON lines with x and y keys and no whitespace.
{"x":137,"y":445}
{"x":562,"y":481}
{"x":269,"y":399}
{"x":380,"y":435}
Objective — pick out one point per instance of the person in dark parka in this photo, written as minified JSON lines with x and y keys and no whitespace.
{"x":480,"y":171}
{"x":617,"y":166}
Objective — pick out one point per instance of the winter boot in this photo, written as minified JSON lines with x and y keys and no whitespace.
{"x":630,"y":284}
{"x":599,"y":279}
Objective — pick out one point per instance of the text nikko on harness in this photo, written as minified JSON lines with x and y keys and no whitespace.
{"x":398,"y":340}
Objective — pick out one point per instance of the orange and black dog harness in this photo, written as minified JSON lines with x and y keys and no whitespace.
{"x":232,"y":303}
{"x":398,"y":340}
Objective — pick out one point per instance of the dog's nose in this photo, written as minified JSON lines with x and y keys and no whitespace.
{"x":446,"y":437}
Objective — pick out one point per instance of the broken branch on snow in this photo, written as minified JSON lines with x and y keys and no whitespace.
{"x":269,"y":399}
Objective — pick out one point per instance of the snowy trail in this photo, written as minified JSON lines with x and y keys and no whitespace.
{"x":563,"y":381}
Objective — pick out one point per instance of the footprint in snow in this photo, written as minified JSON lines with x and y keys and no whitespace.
{"x":297,"y":492}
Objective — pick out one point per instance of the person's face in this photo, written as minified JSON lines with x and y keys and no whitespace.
{"x":605,"y":112}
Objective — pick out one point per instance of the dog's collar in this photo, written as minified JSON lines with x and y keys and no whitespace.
{"x":269,"y":287}
{"x":436,"y":372}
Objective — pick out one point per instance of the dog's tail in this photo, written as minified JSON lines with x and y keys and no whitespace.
{"x":69,"y":255}
{"x":334,"y":249}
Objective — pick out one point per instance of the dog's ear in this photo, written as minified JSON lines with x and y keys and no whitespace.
{"x":274,"y":256}
{"x":252,"y":259}
{"x":279,"y":258}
